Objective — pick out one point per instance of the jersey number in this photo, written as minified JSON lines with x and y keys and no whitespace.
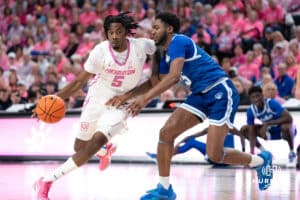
{"x":117,"y":81}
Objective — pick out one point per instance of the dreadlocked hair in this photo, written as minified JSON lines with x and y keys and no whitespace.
{"x":126,"y":20}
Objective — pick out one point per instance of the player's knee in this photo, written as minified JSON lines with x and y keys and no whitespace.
{"x":215,"y":156}
{"x":97,"y":141}
{"x":166,"y":135}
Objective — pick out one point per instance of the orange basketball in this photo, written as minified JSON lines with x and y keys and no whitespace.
{"x":50,"y":109}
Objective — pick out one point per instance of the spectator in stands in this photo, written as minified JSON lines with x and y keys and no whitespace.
{"x":225,"y":41}
{"x":268,"y":63}
{"x":257,"y":50}
{"x":244,"y":98}
{"x":197,"y":13}
{"x":273,"y":15}
{"x":297,"y":35}
{"x":278,"y":53}
{"x":267,"y":40}
{"x":51,"y":87}
{"x":226,"y":65}
{"x":249,"y":70}
{"x":4,"y":63}
{"x":251,"y":31}
{"x":88,"y":15}
{"x":295,"y":50}
{"x":239,"y":57}
{"x":294,"y":9}
{"x":270,"y":91}
{"x":292,"y":66}
{"x":284,"y":82}
{"x":72,"y":45}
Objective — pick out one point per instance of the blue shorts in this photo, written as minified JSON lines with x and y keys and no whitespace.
{"x":274,"y":133}
{"x":219,"y":104}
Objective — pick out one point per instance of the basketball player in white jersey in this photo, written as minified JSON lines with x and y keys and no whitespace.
{"x":117,"y":65}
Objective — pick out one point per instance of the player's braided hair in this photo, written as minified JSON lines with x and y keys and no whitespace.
{"x":126,"y":20}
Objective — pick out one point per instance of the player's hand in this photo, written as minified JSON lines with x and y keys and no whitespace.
{"x":116,"y":101}
{"x":136,"y":105}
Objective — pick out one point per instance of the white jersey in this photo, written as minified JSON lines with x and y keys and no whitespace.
{"x":113,"y":74}
{"x":116,"y":74}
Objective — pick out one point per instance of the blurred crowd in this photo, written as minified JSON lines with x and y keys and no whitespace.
{"x":44,"y":43}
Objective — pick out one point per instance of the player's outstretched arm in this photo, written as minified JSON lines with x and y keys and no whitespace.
{"x":168,"y":80}
{"x":75,"y":85}
{"x":283,"y":119}
{"x":235,"y":131}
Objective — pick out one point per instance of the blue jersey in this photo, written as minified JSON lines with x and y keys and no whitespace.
{"x":199,"y":71}
{"x":272,"y":110}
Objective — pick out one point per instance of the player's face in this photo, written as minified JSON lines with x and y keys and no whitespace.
{"x":117,"y":36}
{"x":159,"y":32}
{"x":257,"y":99}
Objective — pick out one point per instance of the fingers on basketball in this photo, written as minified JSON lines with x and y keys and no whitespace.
{"x":50,"y":109}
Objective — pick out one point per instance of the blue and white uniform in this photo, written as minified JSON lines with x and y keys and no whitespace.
{"x":213,"y":94}
{"x":272,"y":110}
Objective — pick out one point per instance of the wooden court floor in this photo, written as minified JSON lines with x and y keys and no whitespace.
{"x":130,"y":181}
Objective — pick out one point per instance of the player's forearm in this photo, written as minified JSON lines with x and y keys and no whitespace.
{"x":282,"y":120}
{"x":162,"y":86}
{"x":70,"y":89}
{"x":252,"y":138}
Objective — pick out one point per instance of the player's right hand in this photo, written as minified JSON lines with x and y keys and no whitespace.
{"x":116,"y":101}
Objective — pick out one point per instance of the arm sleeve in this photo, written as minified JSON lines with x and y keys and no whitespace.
{"x":250,"y":117}
{"x":94,"y":62}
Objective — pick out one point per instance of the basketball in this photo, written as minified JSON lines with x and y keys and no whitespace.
{"x":50,"y":109}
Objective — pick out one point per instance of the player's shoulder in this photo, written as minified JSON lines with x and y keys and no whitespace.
{"x":102,"y":45}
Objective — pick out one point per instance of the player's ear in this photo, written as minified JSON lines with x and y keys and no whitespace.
{"x":170,"y":29}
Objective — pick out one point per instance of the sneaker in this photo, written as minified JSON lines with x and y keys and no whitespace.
{"x":152,"y":156}
{"x":160,"y":193}
{"x":104,"y":160}
{"x":41,"y":189}
{"x":292,"y":156}
{"x":292,"y":160}
{"x":265,"y":171}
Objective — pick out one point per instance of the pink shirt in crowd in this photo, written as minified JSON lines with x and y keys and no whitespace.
{"x":292,"y":71}
{"x":271,"y":16}
{"x":237,"y":61}
{"x":249,"y":70}
{"x":252,"y":29}
{"x":87,"y":18}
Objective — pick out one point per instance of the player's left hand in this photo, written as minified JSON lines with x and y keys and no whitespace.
{"x":136,"y":105}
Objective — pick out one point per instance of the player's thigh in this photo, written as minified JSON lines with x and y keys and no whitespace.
{"x":112,"y":122}
{"x":215,"y":139}
{"x":179,"y":121}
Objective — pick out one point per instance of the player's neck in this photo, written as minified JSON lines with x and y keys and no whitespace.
{"x":122,"y":48}
{"x":168,"y":41}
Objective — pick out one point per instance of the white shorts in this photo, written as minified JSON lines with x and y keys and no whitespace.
{"x":98,"y":117}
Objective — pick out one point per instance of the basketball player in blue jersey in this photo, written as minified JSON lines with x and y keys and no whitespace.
{"x":277,"y":122}
{"x":213,"y":96}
